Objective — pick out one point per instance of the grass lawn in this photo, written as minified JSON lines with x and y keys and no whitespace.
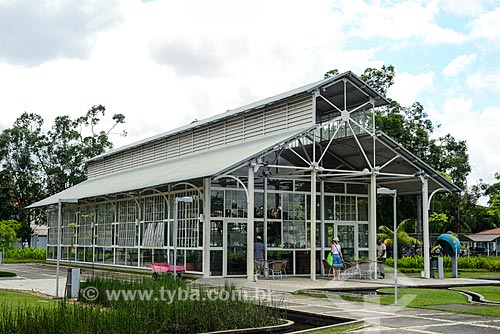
{"x":491,"y":293}
{"x":430,"y":299}
{"x":10,"y":297}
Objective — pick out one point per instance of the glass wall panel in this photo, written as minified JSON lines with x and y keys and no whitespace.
{"x":282,"y":255}
{"x":235,"y":203}
{"x":194,"y":260}
{"x":99,"y":255}
{"x":120,"y":256}
{"x":216,"y":230}
{"x":146,"y":257}
{"x":273,"y":234}
{"x":259,"y":205}
{"x":274,"y":206}
{"x":363,"y":235}
{"x":236,"y":248}
{"x":362,"y":209}
{"x":216,"y":263}
{"x":217,"y":203}
{"x":132,"y":257}
{"x":259,"y":229}
{"x":161,"y":255}
{"x":80,"y":254}
{"x":108,"y":255}
{"x":329,"y":207}
{"x":346,"y":236}
{"x":303,"y":265}
{"x":294,"y":234}
{"x":89,"y":255}
{"x":293,"y":206}
{"x":345,"y":207}
{"x":318,"y":207}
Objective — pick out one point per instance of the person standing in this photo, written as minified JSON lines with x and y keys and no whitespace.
{"x":381,"y":257}
{"x":259,"y":250}
{"x":338,"y":258}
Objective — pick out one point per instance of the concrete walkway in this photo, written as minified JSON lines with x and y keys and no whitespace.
{"x":380,"y":318}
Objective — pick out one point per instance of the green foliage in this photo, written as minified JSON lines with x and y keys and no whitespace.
{"x":438,"y":221}
{"x":153,"y":316}
{"x":8,"y":231}
{"x":386,"y":234}
{"x":416,"y":263}
{"x":29,"y":253}
{"x":39,"y":163}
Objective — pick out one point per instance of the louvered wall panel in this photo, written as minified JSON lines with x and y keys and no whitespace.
{"x":147,"y":154}
{"x":128,"y":159}
{"x":217,"y":135}
{"x":160,"y":150}
{"x":275,"y":120}
{"x":234,"y":130}
{"x":185,"y":143}
{"x":172,"y":147}
{"x":293,"y":115}
{"x":254,"y":126}
{"x":200,"y":140}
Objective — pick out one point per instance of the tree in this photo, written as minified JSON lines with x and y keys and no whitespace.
{"x":38,"y":164}
{"x":8,"y":230}
{"x":386,"y":234}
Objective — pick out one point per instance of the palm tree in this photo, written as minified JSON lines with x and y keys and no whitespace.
{"x":387,"y":236}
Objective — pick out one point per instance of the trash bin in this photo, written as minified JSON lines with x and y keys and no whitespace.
{"x":73,"y":283}
{"x":437,"y":265}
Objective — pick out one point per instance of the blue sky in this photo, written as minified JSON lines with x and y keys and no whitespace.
{"x":165,"y":63}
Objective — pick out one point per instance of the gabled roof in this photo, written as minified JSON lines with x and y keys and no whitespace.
{"x":485,"y":236}
{"x":495,"y":231}
{"x":379,"y":100}
{"x":189,"y":167}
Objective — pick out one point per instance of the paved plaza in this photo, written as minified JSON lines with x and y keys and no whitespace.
{"x":380,"y":318}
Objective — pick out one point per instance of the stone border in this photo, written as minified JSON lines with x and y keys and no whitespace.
{"x":283,"y":328}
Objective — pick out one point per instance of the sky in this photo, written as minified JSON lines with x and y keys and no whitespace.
{"x":164,"y":64}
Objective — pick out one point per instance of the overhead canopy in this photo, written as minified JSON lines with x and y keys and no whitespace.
{"x":399,"y":167}
{"x":186,"y":168}
{"x":482,"y":237}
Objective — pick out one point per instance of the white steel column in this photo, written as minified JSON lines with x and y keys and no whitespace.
{"x":250,"y":224}
{"x":372,"y":222}
{"x":425,"y":223}
{"x":206,"y":227}
{"x":313,"y":225}
{"x":322,"y":225}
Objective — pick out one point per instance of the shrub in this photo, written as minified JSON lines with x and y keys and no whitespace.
{"x":29,"y":253}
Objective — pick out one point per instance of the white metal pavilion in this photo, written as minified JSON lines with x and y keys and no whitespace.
{"x":298,"y":169}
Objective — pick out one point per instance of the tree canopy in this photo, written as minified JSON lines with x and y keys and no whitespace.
{"x":412,"y":127}
{"x":38,"y":163}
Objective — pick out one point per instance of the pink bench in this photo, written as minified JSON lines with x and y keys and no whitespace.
{"x":164,"y":267}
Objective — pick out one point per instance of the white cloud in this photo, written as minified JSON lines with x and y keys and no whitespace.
{"x":479,"y":128}
{"x":464,"y":8}
{"x":485,"y":80}
{"x":33,"y":33}
{"x":407,"y":87}
{"x":487,"y":26}
{"x":400,"y":21}
{"x":459,"y":64}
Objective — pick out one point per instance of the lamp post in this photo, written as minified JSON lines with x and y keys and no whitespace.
{"x":59,"y":218}
{"x":393,"y":193}
{"x":187,"y":199}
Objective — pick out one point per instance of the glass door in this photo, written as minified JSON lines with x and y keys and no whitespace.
{"x":348,"y":239}
{"x":236,"y":248}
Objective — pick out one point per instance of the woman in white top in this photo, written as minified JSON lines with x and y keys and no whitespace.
{"x":338,"y":259}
